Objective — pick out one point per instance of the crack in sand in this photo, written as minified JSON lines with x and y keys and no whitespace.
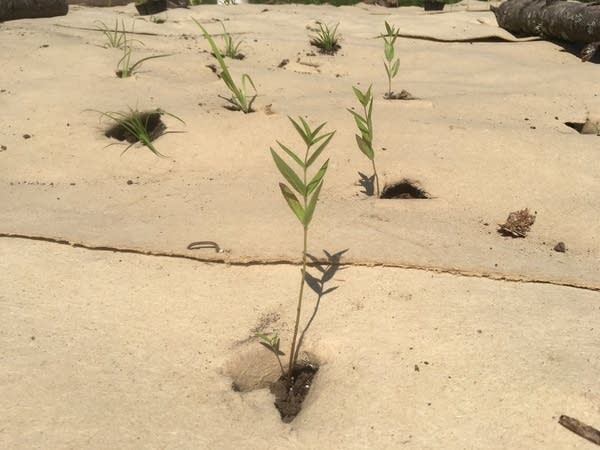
{"x":228,"y":260}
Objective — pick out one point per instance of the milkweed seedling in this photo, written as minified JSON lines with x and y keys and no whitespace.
{"x":240,"y":99}
{"x":365,"y":126}
{"x":391,"y":65}
{"x":124,"y":67}
{"x":327,"y":39}
{"x":138,"y":126}
{"x":303,"y":208}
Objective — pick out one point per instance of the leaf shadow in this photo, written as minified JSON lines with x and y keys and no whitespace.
{"x":368,"y":183}
{"x":318,"y":284}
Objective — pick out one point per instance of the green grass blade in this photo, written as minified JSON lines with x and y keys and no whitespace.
{"x":139,"y":63}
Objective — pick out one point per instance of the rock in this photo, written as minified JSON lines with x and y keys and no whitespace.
{"x":560,"y":247}
{"x":32,"y":9}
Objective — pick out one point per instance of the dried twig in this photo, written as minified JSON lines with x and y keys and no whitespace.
{"x":580,"y":429}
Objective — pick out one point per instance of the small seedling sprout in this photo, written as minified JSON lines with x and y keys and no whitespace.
{"x":115,"y":38}
{"x":365,"y":126}
{"x":327,"y":39}
{"x":124,"y":67}
{"x":303,"y":209}
{"x":231,"y":49}
{"x":391,"y":65}
{"x":240,"y":100}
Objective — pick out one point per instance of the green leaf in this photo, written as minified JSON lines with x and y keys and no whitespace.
{"x":317,"y":178}
{"x":293,"y":202}
{"x":388,"y":29}
{"x":315,"y":132}
{"x":291,"y":154}
{"x":301,"y":132}
{"x":310,"y":209}
{"x":389,"y":51}
{"x":368,"y":93}
{"x":360,"y":96}
{"x":395,"y":68}
{"x":306,"y":127}
{"x":289,"y":174}
{"x":365,"y":147}
{"x":361,"y":123}
{"x":320,"y":149}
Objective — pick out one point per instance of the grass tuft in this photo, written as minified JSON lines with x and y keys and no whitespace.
{"x":137,"y":126}
{"x":240,"y":100}
{"x":326,"y":39}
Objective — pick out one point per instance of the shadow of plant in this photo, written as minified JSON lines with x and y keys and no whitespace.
{"x":317,"y":285}
{"x":368,"y":183}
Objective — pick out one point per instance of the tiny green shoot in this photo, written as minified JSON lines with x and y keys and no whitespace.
{"x":124,"y":67}
{"x":326,"y":39}
{"x":231,"y":49}
{"x":303,"y":208}
{"x":240,"y":99}
{"x":115,"y":38}
{"x":272,"y":343}
{"x":391,"y":65}
{"x":137,"y":126}
{"x":365,"y":126}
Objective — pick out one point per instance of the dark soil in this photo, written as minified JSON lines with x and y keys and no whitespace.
{"x":153,"y":124}
{"x":404,"y":189}
{"x":289,"y":396}
{"x":402,"y":95}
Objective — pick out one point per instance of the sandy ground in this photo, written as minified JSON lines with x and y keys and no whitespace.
{"x":108,"y":349}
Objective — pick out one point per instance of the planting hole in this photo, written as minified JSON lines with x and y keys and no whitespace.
{"x":587,"y":127}
{"x":150,"y":119}
{"x":290,"y":395}
{"x":254,"y":367}
{"x":404,"y":189}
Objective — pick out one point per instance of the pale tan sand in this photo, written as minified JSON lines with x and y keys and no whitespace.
{"x":133,"y":351}
{"x":129,"y":352}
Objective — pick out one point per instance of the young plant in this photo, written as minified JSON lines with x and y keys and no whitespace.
{"x":124,"y":67}
{"x":391,"y":65}
{"x":115,"y":38}
{"x":327,"y":39}
{"x":231,"y":47}
{"x":308,"y":188}
{"x":365,"y":126}
{"x":240,"y":99}
{"x":137,"y":126}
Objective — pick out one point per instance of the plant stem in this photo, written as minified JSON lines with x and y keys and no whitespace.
{"x":280,"y":365}
{"x":294,"y":350}
{"x":376,"y":177}
{"x":292,"y":362}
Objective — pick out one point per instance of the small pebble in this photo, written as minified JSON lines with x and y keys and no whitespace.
{"x":560,"y":247}
{"x":129,"y":182}
{"x":26,"y":136}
